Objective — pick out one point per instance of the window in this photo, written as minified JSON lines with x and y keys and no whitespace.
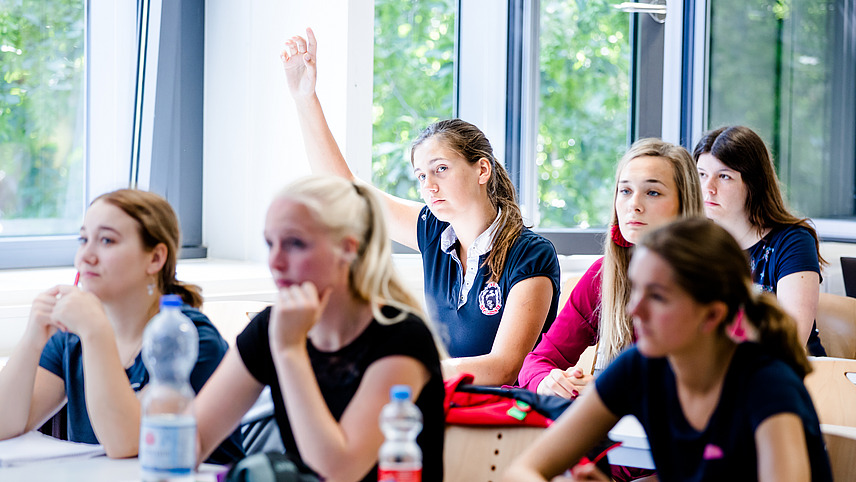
{"x":42,"y":162}
{"x":414,"y":75}
{"x":786,"y":69}
{"x":583,"y":110}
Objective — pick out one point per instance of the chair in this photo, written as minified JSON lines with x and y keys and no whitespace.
{"x":836,"y":321}
{"x":833,"y":394}
{"x":481,"y":454}
{"x":231,"y":316}
{"x":587,"y":358}
{"x":848,"y":272}
{"x":841,"y":447}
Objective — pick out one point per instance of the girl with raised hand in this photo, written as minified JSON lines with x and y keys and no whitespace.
{"x":655,"y":182}
{"x":712,"y":408}
{"x":491,"y":284}
{"x":741,"y":193}
{"x":82,"y":344}
{"x":342,"y":332}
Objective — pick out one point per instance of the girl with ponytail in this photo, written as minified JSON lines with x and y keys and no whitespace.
{"x":491,"y":284}
{"x":342,"y":332}
{"x":126,"y":260}
{"x":714,"y":407}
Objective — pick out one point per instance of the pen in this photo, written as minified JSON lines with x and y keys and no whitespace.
{"x":77,"y":278}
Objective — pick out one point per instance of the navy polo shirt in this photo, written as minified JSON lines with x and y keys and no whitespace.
{"x":469,"y":329}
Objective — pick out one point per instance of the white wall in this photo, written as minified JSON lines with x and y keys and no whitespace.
{"x":252,"y":144}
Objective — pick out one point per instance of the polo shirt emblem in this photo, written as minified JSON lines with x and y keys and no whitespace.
{"x":490,"y":299}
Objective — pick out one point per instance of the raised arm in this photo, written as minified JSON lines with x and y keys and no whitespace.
{"x":526,"y":309}
{"x":30,"y":394}
{"x":582,"y":426}
{"x":299,"y":61}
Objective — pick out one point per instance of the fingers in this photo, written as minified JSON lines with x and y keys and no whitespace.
{"x":312,"y":45}
{"x":588,"y":472}
{"x":559,"y":383}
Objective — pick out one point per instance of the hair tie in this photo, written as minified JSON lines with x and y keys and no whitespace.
{"x":737,"y":331}
{"x":617,"y":238}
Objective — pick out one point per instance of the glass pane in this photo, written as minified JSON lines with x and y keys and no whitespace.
{"x":770,"y":67}
{"x":584,"y":109}
{"x":41,"y":116}
{"x":414,"y":66}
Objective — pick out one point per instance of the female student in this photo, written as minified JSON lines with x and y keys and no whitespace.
{"x":741,"y":193}
{"x":491,"y":284}
{"x":82,"y":343}
{"x":342,"y":332}
{"x":712,"y":409}
{"x":655,"y":181}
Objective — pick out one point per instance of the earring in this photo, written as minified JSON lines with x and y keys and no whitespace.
{"x":151,"y":289}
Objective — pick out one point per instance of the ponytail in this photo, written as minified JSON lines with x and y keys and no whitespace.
{"x":777,"y":331}
{"x":190,"y":293}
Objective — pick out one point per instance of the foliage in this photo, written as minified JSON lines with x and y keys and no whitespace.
{"x":41,"y":108}
{"x":583,"y":114}
{"x":770,"y":70}
{"x":413,"y":82}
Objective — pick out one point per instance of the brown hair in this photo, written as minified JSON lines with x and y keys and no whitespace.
{"x":710,"y":266}
{"x":615,"y":331}
{"x":741,"y":149}
{"x":157,"y":224}
{"x":471,"y":143}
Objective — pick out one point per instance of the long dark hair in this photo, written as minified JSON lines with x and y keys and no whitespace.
{"x":471,"y":143}
{"x":741,"y":149}
{"x":710,"y":266}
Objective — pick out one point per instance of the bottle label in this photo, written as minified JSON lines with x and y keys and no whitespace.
{"x":399,"y":474}
{"x":168,"y":444}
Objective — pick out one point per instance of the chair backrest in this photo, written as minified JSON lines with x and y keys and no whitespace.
{"x":841,"y":447}
{"x":833,"y":394}
{"x":481,"y":454}
{"x":587,"y":359}
{"x":836,"y":322}
{"x":848,"y":272}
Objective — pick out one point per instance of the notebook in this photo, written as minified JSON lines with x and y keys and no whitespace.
{"x":36,"y":446}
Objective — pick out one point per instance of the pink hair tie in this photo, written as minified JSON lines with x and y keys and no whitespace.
{"x":738,"y":331}
{"x":617,"y":238}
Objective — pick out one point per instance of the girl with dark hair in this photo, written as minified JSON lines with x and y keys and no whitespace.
{"x":655,"y":182}
{"x":712,"y":408}
{"x":741,"y":193}
{"x":342,"y":332}
{"x":82,"y":343}
{"x":491,"y":284}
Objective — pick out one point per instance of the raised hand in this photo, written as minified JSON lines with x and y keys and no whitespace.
{"x":298,"y":60}
{"x":295,"y":312}
{"x":564,"y":383}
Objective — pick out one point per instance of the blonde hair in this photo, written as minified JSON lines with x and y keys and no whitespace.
{"x":157,"y":224}
{"x":348,"y":208}
{"x":615,"y":331}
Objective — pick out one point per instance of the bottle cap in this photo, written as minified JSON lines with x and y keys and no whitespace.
{"x":399,"y":392}
{"x":170,"y":300}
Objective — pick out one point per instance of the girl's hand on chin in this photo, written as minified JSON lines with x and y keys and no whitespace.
{"x":78,"y":312}
{"x":295,"y":312}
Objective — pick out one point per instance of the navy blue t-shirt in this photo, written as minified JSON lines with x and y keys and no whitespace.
{"x":757,"y":386}
{"x":470,"y":329}
{"x":783,"y":251}
{"x":63,"y":356}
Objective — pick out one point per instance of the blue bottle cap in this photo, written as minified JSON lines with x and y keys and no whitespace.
{"x":170,"y":300}
{"x":399,"y":392}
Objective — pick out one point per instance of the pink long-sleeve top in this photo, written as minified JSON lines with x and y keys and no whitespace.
{"x":574,"y":330}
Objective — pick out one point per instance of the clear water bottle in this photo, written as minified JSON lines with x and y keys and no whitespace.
{"x":168,"y":428}
{"x":400,"y":458}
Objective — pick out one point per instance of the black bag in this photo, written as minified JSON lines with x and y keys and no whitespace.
{"x":271,"y":467}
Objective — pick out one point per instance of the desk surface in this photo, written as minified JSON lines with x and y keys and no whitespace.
{"x":95,"y":469}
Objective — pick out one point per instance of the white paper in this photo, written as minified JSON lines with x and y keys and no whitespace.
{"x":36,"y":446}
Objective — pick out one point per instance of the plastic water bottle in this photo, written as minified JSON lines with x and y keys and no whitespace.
{"x":400,"y":458}
{"x":168,"y":428}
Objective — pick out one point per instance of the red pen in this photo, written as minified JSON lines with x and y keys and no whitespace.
{"x":77,"y":278}
{"x":601,"y":455}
